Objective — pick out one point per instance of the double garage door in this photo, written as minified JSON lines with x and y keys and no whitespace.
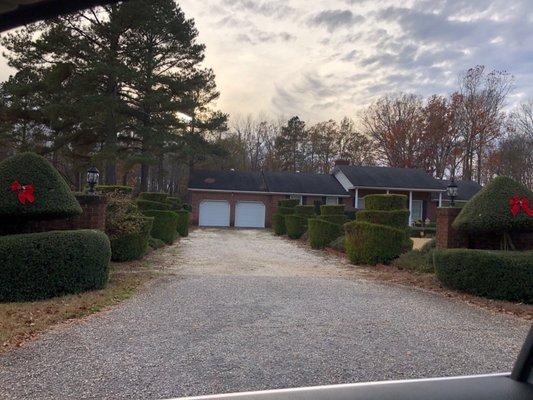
{"x":248,"y":214}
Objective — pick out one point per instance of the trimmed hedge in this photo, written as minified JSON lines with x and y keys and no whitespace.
{"x":322,"y":233}
{"x":368,"y":243}
{"x":165,"y":225}
{"x":125,"y":190}
{"x":41,"y":265}
{"x":174,"y":202}
{"x":132,"y":246}
{"x":422,"y":231}
{"x":334,"y":219}
{"x":351,"y":214}
{"x":296,"y":225}
{"x":332,"y":210}
{"x":489,"y":211}
{"x":289,"y":203}
{"x":53,"y":198}
{"x":415,"y":260}
{"x":151,"y":205}
{"x":385,"y":202}
{"x":187,"y":207}
{"x":183,"y":222}
{"x":155,"y":243}
{"x":304,"y":210}
{"x":278,"y":223}
{"x":395,"y":218}
{"x":338,"y":244}
{"x":285,"y":210}
{"x":505,"y":275}
{"x":153,"y":196}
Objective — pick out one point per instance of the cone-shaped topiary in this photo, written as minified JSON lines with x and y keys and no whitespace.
{"x":52,"y":196}
{"x":489,"y":210}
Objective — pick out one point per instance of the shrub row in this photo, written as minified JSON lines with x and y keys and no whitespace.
{"x":132,"y":246}
{"x":304,"y":210}
{"x":505,"y":275}
{"x":334,"y":219}
{"x":394,"y":218}
{"x":278,"y":223}
{"x":151,"y":205}
{"x":183,"y":222}
{"x":173,"y":202}
{"x":105,"y":189}
{"x":289,"y":203}
{"x":322,"y":233}
{"x":153,"y":196}
{"x":41,"y":265}
{"x":368,"y":243}
{"x":385,"y":202}
{"x":165,"y":225}
{"x":285,"y":210}
{"x":296,"y":225}
{"x":332,"y":210}
{"x":418,"y":231}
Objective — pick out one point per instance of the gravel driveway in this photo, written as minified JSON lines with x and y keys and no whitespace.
{"x":244,"y":310}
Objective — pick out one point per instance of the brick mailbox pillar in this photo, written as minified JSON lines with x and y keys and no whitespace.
{"x":448,"y":237}
{"x":92,"y":217}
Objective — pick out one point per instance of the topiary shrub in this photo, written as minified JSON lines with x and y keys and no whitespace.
{"x":187,"y":207}
{"x":350,"y":214}
{"x":132,"y":246}
{"x":415,"y":260}
{"x":334,"y":219}
{"x":174,"y":203}
{"x":489,"y":212}
{"x":165,"y":225}
{"x":105,"y":189}
{"x":321,"y":233}
{"x":52,"y":196}
{"x":41,"y":265}
{"x":332,"y":210}
{"x":155,"y":243}
{"x":395,"y":218}
{"x":505,"y":275}
{"x":304,"y":210}
{"x":371,"y":244}
{"x":153,"y":196}
{"x":385,"y":202}
{"x":285,"y":210}
{"x":338,"y":244}
{"x":278,"y":223}
{"x":296,"y":225}
{"x":183,"y":222}
{"x":289,"y":203}
{"x":151,"y":205}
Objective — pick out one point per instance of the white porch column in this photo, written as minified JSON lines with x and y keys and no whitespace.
{"x":388,"y":191}
{"x":356,"y":200}
{"x":440,"y":199}
{"x":410,"y":208}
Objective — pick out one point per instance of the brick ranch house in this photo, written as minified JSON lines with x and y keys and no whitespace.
{"x":248,"y":199}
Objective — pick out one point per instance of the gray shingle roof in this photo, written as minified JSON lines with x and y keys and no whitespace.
{"x":227,"y":180}
{"x":465,"y":190}
{"x":289,"y":182}
{"x":387,"y":177}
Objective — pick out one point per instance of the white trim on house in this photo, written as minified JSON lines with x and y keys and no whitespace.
{"x":343,"y":180}
{"x":267,"y":193}
{"x":397,"y":189}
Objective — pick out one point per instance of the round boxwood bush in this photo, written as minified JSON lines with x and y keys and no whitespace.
{"x":53,"y":197}
{"x":321,"y":233}
{"x":41,"y":265}
{"x":151,"y":205}
{"x":165,"y":225}
{"x":124,"y":190}
{"x":132,"y":246}
{"x":505,"y":275}
{"x":372,"y":244}
{"x":153,"y":196}
{"x":304,"y":210}
{"x":395,"y":218}
{"x":278,"y":223}
{"x":489,"y":211}
{"x":385,"y":202}
{"x":183,"y":222}
{"x":296,"y":225}
{"x":332,"y":210}
{"x":289,"y":203}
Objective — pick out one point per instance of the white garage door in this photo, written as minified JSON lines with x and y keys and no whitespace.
{"x":250,"y":214}
{"x":214,"y":213}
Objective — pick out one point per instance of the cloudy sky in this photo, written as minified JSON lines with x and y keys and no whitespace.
{"x":322,"y":59}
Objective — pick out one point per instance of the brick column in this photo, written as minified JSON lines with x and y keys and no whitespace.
{"x":448,"y":237}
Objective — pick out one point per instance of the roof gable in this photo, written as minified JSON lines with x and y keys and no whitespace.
{"x":388,"y":177}
{"x":302,"y":183}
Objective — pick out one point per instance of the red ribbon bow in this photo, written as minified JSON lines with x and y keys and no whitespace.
{"x":25,"y":192}
{"x":516,"y":203}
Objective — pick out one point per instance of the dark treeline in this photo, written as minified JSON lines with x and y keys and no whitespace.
{"x":123,"y":87}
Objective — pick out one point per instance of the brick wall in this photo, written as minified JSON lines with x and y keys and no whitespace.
{"x":447,"y":237}
{"x":92,"y":217}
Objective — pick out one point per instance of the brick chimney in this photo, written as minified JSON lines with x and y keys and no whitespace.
{"x":341,"y":161}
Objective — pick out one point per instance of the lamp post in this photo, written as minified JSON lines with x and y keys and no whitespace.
{"x":93,"y":176}
{"x":451,"y":191}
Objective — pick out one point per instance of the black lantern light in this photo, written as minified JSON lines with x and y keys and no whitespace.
{"x":451,"y":191}
{"x":93,"y":176}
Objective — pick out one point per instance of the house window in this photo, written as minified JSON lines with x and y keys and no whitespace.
{"x":417,"y":210}
{"x":332,"y":201}
{"x":296,"y":197}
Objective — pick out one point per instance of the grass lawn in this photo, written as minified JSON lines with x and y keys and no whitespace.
{"x":22,"y":321}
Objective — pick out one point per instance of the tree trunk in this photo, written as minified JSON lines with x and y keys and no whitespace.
{"x":144,"y":177}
